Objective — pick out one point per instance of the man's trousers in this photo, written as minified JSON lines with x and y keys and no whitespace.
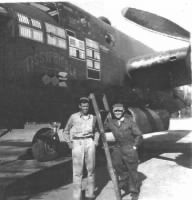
{"x":83,"y":152}
{"x":125,"y":162}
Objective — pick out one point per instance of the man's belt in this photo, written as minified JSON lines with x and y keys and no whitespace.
{"x":79,"y":138}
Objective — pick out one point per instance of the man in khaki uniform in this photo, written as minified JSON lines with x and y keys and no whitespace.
{"x":82,"y":137}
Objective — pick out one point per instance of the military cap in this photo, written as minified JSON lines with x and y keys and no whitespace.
{"x":118,"y":107}
{"x":84,"y":100}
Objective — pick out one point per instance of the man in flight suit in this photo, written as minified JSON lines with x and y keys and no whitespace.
{"x":82,"y":138}
{"x":124,"y":154}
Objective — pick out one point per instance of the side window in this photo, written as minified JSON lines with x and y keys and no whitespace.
{"x":76,"y":48}
{"x":56,"y":36}
{"x":93,"y":59}
{"x":30,"y":28}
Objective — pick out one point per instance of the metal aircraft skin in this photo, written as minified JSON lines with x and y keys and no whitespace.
{"x":52,"y":53}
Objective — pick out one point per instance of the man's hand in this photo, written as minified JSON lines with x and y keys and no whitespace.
{"x":96,"y":143}
{"x":96,"y":138}
{"x":134,"y":147}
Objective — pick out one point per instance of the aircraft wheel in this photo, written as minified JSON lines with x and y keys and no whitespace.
{"x":44,"y":145}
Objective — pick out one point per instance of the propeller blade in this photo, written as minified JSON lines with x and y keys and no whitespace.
{"x":155,"y":23}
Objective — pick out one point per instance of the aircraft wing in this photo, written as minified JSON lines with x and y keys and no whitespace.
{"x":163,"y":69}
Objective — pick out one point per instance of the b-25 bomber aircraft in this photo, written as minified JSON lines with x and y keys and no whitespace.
{"x":53,"y":53}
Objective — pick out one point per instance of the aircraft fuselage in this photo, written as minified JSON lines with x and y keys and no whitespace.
{"x":49,"y":59}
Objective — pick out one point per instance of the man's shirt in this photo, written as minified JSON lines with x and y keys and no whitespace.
{"x":79,"y":125}
{"x":125,"y":131}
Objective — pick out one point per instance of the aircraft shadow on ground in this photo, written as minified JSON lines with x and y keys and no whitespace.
{"x":42,"y":181}
{"x":167,"y":143}
{"x":58,"y":176}
{"x":50,"y":179}
{"x":10,"y":150}
{"x":18,"y":143}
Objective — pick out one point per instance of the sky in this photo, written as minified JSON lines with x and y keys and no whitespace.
{"x":178,"y":11}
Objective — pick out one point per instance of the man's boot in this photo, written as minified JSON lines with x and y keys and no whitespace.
{"x":134,"y":196}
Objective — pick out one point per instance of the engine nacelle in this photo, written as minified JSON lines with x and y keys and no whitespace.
{"x":148,"y":121}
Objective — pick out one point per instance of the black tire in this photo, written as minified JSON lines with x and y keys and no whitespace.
{"x":44,"y":145}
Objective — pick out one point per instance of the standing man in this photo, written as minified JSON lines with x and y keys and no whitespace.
{"x":124,"y":155}
{"x":82,"y":137}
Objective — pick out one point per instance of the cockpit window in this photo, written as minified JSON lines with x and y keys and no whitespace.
{"x":36,"y":24}
{"x":56,"y":36}
{"x":23,"y":19}
{"x":49,"y":8}
{"x":30,"y":28}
